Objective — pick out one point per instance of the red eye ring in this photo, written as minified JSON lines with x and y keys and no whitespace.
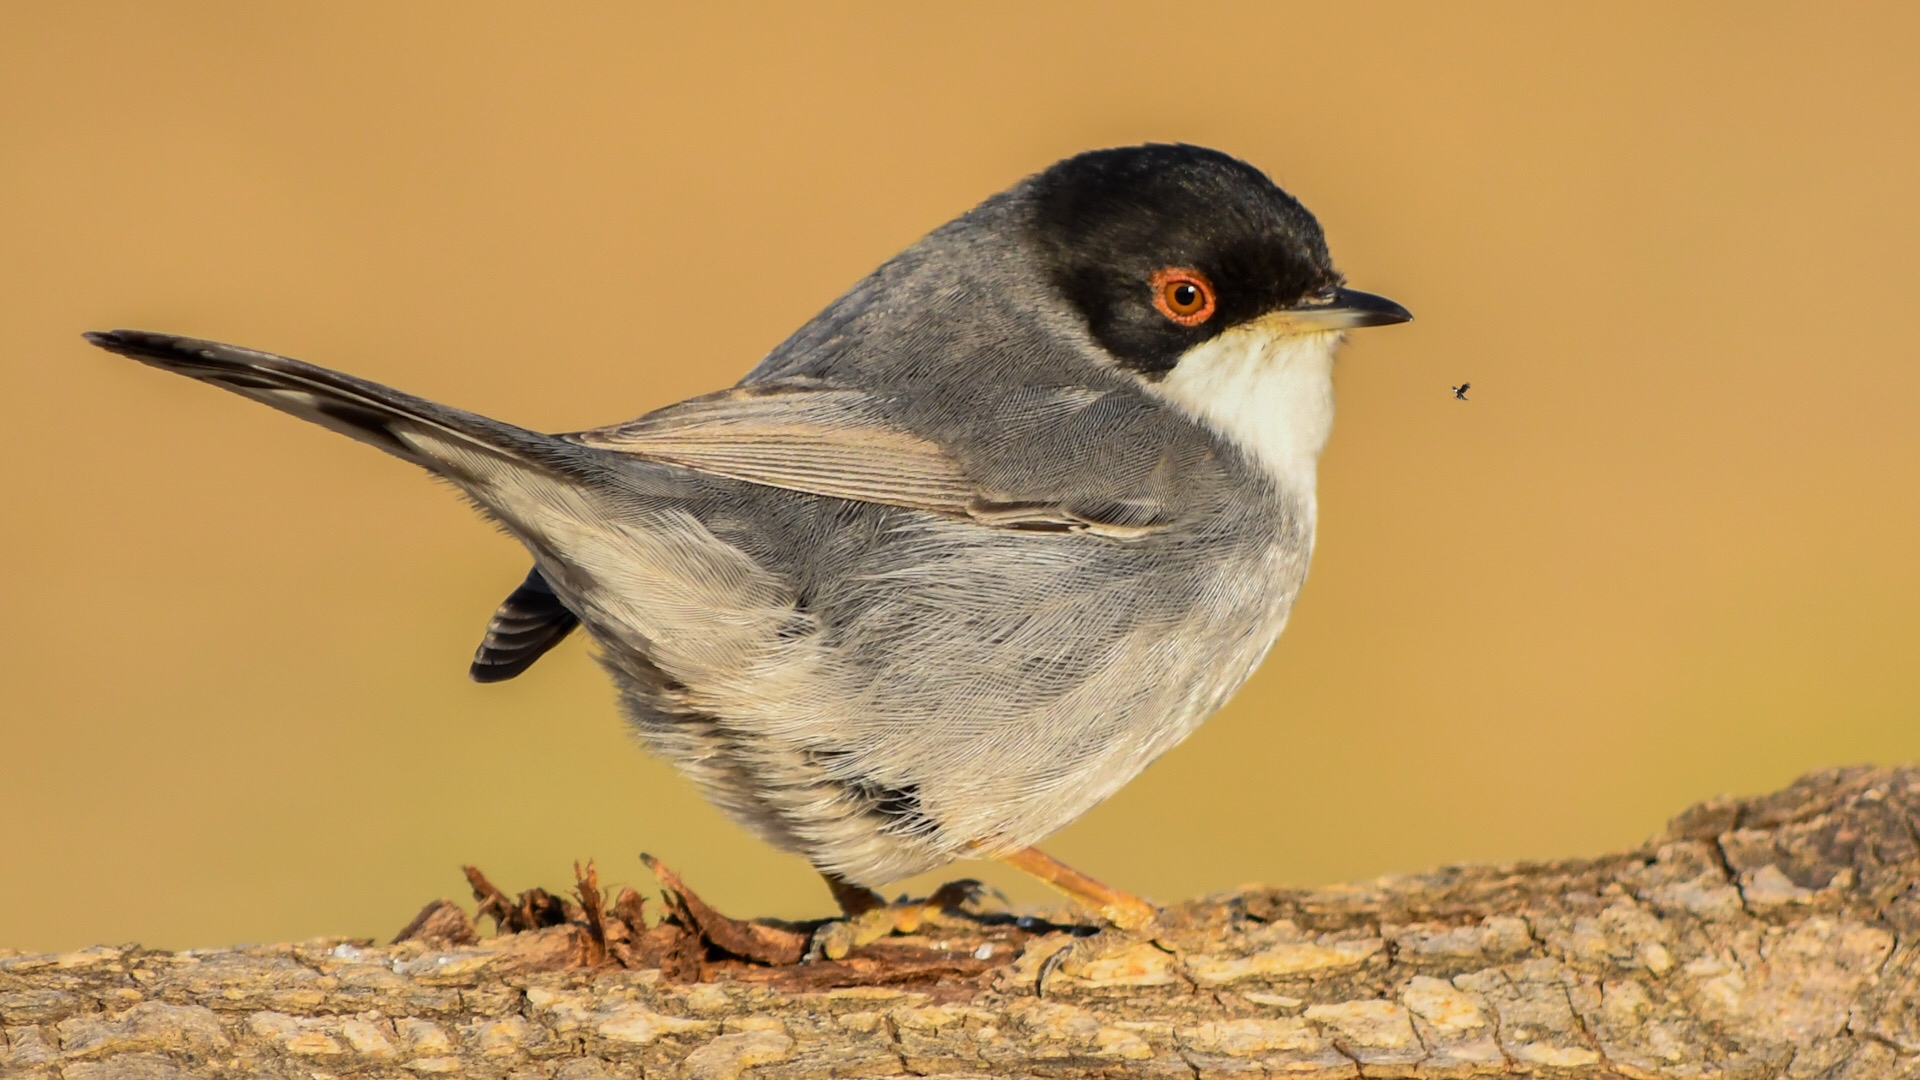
{"x":1183,"y":295}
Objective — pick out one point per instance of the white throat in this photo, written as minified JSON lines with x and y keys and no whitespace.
{"x":1268,"y":392}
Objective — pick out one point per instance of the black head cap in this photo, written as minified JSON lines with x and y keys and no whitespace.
{"x":1111,"y":224}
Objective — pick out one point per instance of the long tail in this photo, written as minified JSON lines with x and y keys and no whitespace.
{"x":426,"y":433}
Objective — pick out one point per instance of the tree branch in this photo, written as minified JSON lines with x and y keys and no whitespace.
{"x":1774,"y":936}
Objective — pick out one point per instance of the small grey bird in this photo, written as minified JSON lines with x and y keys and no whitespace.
{"x":996,"y":529}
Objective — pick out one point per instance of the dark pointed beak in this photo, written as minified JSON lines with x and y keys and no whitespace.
{"x":1350,"y":309}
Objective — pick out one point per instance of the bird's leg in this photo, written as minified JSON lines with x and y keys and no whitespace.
{"x":1124,"y":910}
{"x":1132,"y":917}
{"x":869,"y":917}
{"x":854,"y":900}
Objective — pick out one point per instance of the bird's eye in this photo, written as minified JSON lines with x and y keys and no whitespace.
{"x":1182,"y":295}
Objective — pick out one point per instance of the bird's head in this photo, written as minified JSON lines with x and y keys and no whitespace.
{"x":1163,"y":248}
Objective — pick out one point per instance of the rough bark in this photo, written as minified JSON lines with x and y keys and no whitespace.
{"x":1776,"y":936}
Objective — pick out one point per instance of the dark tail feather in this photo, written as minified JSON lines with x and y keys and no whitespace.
{"x":527,"y":624}
{"x":428,"y":434}
{"x":367,"y":411}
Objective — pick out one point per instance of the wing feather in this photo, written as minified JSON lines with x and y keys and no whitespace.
{"x":834,"y":442}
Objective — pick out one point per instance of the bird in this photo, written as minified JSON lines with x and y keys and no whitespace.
{"x":1460,"y":391}
{"x":998,"y":527}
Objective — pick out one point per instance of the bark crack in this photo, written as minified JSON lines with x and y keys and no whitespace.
{"x":1580,"y":1024}
{"x":899,"y":1048}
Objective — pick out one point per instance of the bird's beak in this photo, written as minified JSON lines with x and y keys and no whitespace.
{"x":1349,"y":309}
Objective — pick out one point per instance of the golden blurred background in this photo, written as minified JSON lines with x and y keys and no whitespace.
{"x":1667,"y":549}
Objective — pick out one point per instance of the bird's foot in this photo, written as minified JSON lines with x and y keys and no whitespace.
{"x":870,"y":917}
{"x":1100,"y":957}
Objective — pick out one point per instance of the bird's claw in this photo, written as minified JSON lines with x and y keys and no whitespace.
{"x":1076,"y":954}
{"x":1109,"y":956}
{"x":966,"y":897}
{"x":834,"y":940}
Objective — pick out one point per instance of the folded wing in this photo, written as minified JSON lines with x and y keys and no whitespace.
{"x":838,"y":442}
{"x":806,"y":436}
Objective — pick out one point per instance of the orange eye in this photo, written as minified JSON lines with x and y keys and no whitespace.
{"x":1185,"y":296}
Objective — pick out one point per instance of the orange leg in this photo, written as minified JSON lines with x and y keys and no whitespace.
{"x":1124,"y":910}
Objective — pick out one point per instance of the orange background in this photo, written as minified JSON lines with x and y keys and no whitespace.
{"x":1668,"y":549}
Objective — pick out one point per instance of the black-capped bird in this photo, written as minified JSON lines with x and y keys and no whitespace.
{"x":954,"y":562}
